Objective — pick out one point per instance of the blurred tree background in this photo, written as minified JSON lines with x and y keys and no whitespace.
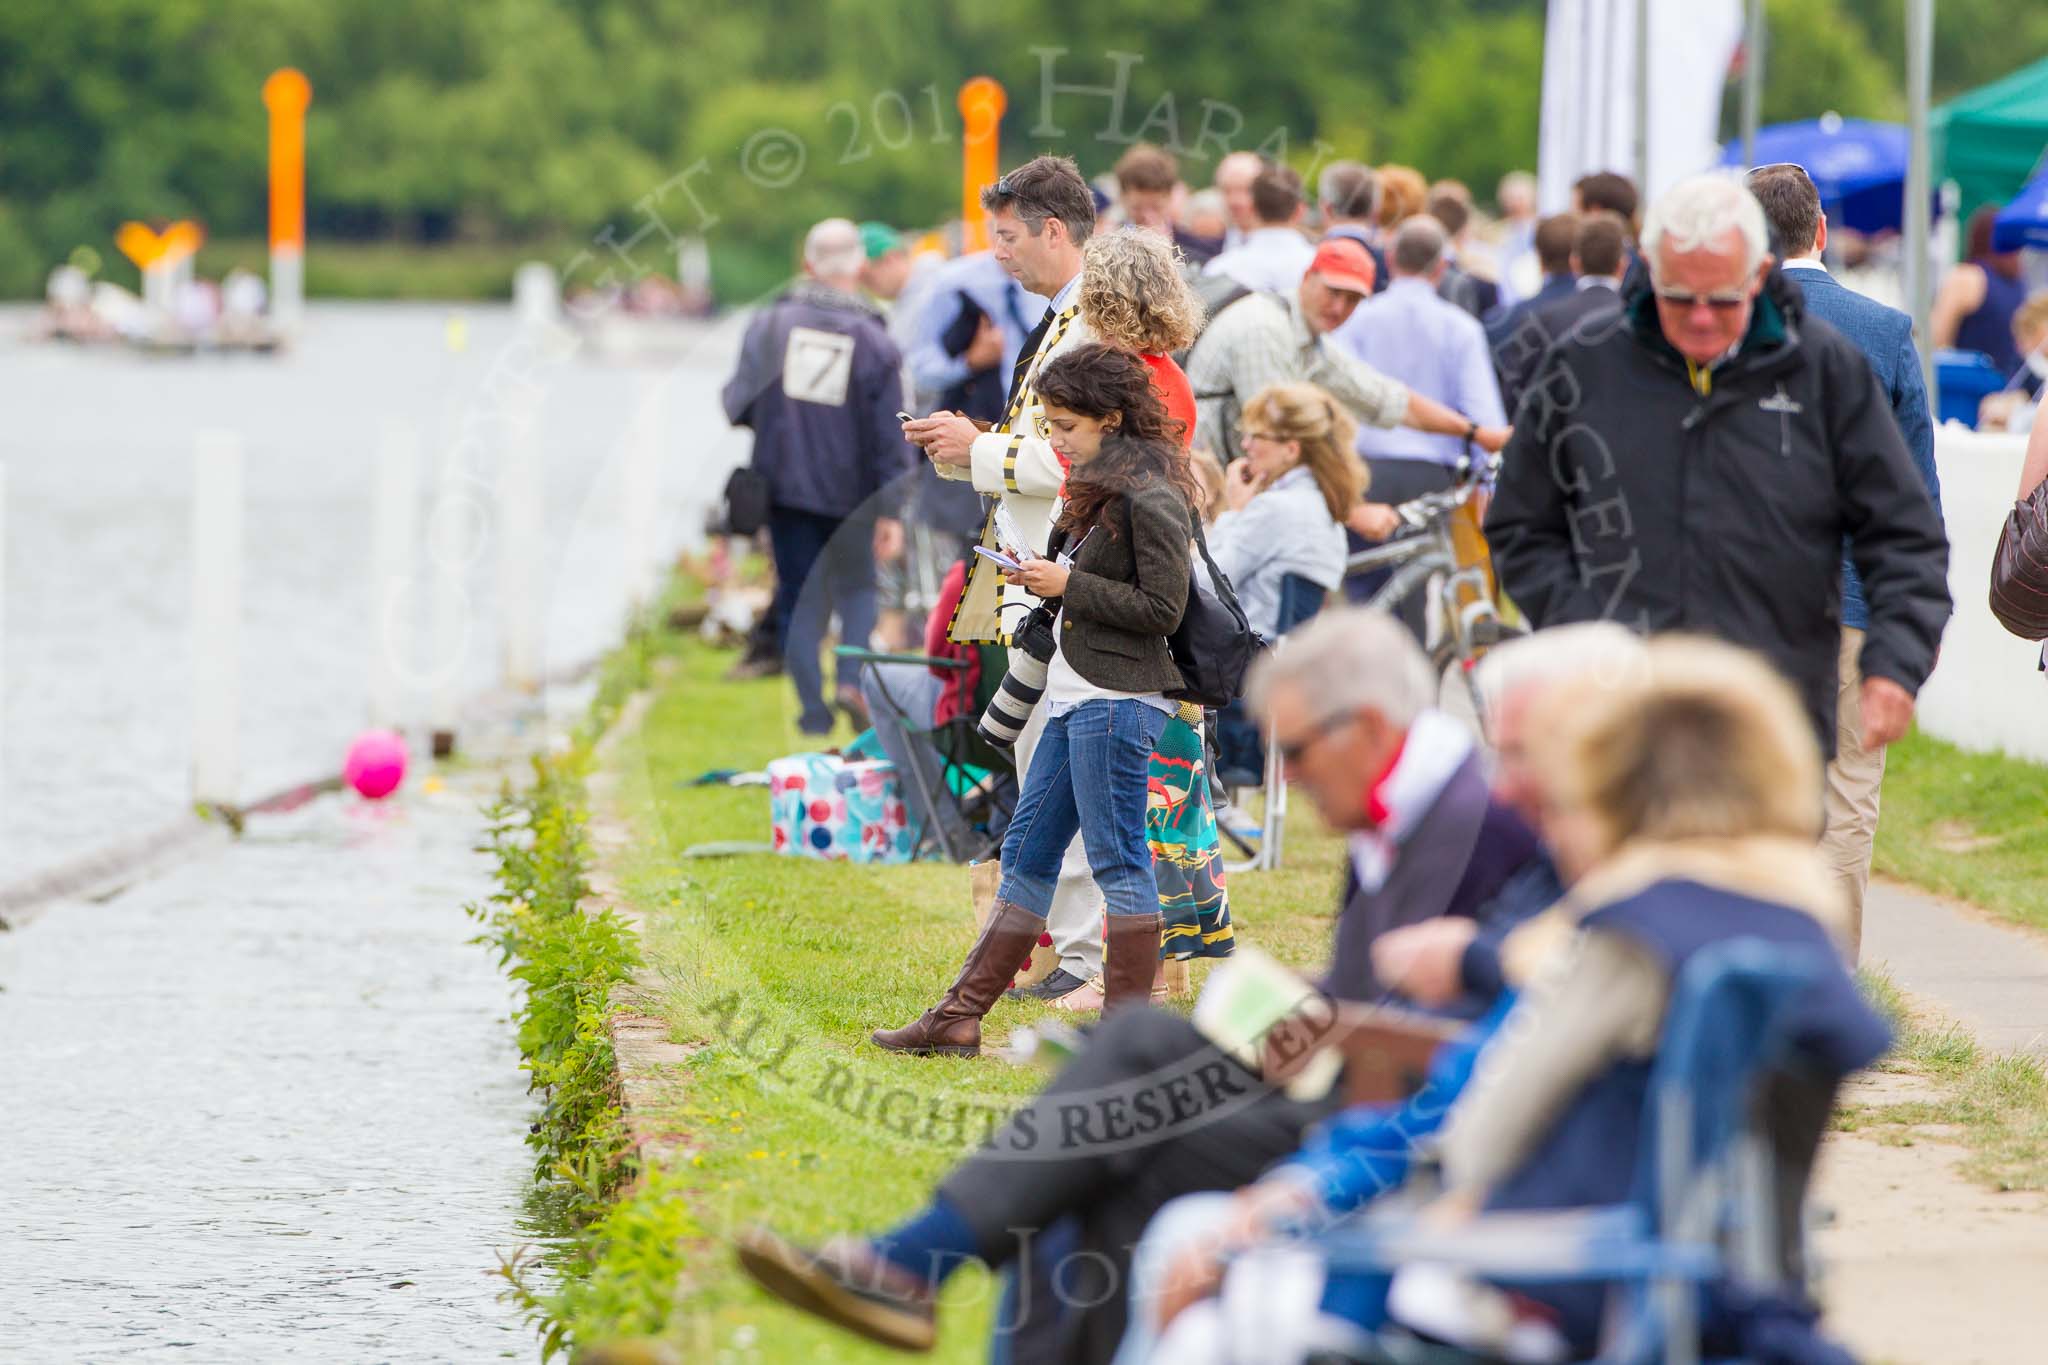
{"x":488,"y":129}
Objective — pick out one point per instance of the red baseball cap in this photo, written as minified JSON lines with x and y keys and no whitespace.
{"x":1344,"y":264}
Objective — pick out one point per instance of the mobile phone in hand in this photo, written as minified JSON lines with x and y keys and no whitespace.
{"x":997,"y":556}
{"x":904,"y":417}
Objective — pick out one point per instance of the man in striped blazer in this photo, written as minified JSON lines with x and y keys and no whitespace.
{"x":1040,"y":217}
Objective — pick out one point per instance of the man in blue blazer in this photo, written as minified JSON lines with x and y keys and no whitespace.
{"x":1515,"y":341}
{"x":1799,"y":232}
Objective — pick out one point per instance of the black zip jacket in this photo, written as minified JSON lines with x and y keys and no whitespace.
{"x":1627,"y":494}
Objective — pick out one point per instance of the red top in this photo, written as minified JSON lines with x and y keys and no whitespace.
{"x":1175,"y":391}
{"x":957,"y":686}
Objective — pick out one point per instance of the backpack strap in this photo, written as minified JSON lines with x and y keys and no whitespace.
{"x":1217,"y":578}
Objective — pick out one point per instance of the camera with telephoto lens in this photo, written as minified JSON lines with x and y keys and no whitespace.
{"x":1023,"y":684}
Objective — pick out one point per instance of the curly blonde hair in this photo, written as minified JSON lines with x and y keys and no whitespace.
{"x":1133,"y":294}
{"x":1403,"y":192}
{"x":1303,"y":413}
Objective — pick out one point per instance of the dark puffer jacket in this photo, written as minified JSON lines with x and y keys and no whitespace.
{"x":1627,"y":494}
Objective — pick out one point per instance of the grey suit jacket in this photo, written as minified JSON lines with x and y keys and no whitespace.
{"x":1126,"y":590}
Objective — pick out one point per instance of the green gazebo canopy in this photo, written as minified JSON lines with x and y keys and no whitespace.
{"x":1990,"y":140}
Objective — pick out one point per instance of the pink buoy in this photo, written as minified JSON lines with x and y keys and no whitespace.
{"x":375,"y":764}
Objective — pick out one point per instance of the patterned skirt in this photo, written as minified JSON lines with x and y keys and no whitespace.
{"x":1187,"y":855}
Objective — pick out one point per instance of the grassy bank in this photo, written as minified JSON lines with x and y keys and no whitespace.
{"x":1973,"y":826}
{"x":742,"y":271}
{"x":775,"y":969}
{"x":780,"y":967}
{"x":389,"y":270}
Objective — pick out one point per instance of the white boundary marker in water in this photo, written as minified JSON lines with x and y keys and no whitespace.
{"x":394,"y":535}
{"x":3,"y":638}
{"x":536,"y":295}
{"x":521,"y":548}
{"x":450,"y":621}
{"x":640,"y":488}
{"x":216,"y":617}
{"x":287,"y":288}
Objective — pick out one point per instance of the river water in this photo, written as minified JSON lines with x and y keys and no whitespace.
{"x":264,"y":1102}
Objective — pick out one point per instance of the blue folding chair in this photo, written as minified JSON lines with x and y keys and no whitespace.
{"x":972,"y":772}
{"x":1703,"y":1206}
{"x":1300,"y":599}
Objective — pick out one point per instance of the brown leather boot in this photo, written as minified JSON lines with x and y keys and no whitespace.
{"x":953,"y":1026}
{"x":1130,"y":961}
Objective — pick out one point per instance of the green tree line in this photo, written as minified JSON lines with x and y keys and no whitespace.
{"x":616,"y":123}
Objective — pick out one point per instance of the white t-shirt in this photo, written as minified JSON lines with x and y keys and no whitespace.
{"x":1066,"y":689}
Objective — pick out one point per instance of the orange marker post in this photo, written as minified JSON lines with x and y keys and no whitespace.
{"x":981,"y":119}
{"x":286,"y":94}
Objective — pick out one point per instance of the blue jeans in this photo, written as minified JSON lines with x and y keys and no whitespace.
{"x":1089,"y":773}
{"x":822,"y":565}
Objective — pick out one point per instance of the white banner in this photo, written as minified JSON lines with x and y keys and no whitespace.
{"x":1986,"y":692}
{"x":1589,"y":90}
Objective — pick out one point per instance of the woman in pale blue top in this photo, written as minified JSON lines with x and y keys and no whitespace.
{"x":1286,"y":500}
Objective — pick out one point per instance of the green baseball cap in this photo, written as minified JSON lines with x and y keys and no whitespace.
{"x":880,"y":239}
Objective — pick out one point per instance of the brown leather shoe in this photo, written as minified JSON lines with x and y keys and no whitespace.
{"x":1130,"y":961}
{"x":953,"y":1026}
{"x":847,"y":1283}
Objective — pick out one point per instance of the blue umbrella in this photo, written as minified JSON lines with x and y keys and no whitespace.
{"x":1858,"y":166}
{"x":2023,"y":222}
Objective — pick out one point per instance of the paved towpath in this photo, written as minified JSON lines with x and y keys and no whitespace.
{"x":1986,"y":975}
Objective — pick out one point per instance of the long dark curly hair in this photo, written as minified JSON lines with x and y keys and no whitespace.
{"x":1107,"y":382}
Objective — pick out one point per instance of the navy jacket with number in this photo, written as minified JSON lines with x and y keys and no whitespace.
{"x":820,"y":383}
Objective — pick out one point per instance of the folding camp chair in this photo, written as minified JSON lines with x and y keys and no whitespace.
{"x":971,"y":769}
{"x":1704,"y":1204}
{"x":1300,"y":599}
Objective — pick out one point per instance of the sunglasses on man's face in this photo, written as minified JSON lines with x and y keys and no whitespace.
{"x":1721,"y":300}
{"x":1293,"y":749}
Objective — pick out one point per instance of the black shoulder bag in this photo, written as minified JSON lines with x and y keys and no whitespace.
{"x":747,"y":500}
{"x":1214,"y":644}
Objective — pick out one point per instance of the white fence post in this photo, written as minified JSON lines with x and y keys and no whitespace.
{"x":394,"y":535}
{"x":216,"y":617}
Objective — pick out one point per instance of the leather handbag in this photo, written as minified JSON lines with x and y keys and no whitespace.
{"x":2019,"y":567}
{"x":1214,"y":645}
